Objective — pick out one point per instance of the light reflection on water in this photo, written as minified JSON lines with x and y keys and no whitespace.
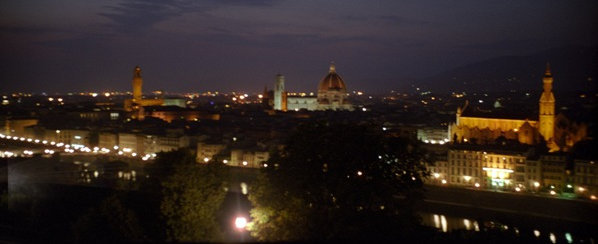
{"x":449,"y":223}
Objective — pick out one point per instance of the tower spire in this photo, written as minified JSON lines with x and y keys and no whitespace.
{"x":332,"y":67}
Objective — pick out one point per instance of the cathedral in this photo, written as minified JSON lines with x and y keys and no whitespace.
{"x":557,"y":131}
{"x":332,"y":95}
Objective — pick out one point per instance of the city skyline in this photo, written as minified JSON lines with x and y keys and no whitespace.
{"x":236,"y":45}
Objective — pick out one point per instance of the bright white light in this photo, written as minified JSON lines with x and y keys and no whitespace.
{"x":36,"y":140}
{"x":115,"y":147}
{"x":443,"y":181}
{"x":364,"y":109}
{"x":467,"y":177}
{"x":359,"y":173}
{"x":224,"y":161}
{"x":552,"y":192}
{"x":436,"y":175}
{"x":206,"y":159}
{"x":244,"y":163}
{"x":517,"y":189}
{"x":240,"y":223}
{"x":552,"y":238}
{"x":477,"y":184}
{"x":134,"y":154}
{"x":537,"y":233}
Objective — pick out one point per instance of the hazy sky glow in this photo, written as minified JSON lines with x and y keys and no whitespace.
{"x":232,"y":45}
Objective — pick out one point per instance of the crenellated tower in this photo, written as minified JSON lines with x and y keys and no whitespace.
{"x":137,"y":83}
{"x":547,"y":101}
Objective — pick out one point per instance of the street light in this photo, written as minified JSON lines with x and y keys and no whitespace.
{"x":240,"y":223}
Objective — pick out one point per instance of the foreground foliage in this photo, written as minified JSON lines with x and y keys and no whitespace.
{"x":336,"y":181}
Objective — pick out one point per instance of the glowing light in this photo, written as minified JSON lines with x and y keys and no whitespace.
{"x":364,"y":109}
{"x":240,"y":223}
{"x":467,"y":178}
{"x":359,"y":173}
{"x":569,"y":186}
{"x":569,"y":237}
{"x":537,"y":233}
{"x":552,"y":192}
{"x":224,"y":161}
{"x":593,"y":197}
{"x":537,"y":184}
{"x":498,"y":170}
{"x":436,"y":175}
{"x":477,"y":185}
{"x":206,"y":159}
{"x":107,"y":94}
{"x":443,"y":181}
{"x":581,"y":189}
{"x":244,"y":163}
{"x":134,"y":154}
{"x":517,"y":189}
{"x":93,"y":94}
{"x":552,"y":238}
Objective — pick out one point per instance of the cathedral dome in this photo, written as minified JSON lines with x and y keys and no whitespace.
{"x":332,"y":81}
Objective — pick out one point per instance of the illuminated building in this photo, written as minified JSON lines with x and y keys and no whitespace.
{"x":137,"y":103}
{"x":332,"y":92}
{"x":17,"y":127}
{"x":472,"y":126}
{"x":469,"y":166}
{"x":332,"y":95}
{"x":280,"y":94}
{"x":585,"y":177}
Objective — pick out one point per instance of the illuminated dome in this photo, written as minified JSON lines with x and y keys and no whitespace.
{"x":332,"y":81}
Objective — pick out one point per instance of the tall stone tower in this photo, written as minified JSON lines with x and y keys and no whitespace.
{"x":547,"y":102}
{"x":137,"y":82}
{"x":279,"y":95}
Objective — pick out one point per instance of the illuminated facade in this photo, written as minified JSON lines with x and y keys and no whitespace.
{"x":332,"y":92}
{"x":280,"y":99}
{"x":332,"y":95}
{"x":498,"y":169}
{"x":470,"y":127}
{"x":137,"y":103}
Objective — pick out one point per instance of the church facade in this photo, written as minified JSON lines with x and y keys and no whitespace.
{"x":332,"y":95}
{"x":484,"y":130}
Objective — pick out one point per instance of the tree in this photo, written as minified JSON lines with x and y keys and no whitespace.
{"x":336,"y":181}
{"x":191,"y":198}
{"x":109,"y":222}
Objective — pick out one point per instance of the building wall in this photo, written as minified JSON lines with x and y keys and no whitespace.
{"x":298,"y":103}
{"x":107,"y":140}
{"x":586,"y":177}
{"x":205,"y":150}
{"x":16,"y":127}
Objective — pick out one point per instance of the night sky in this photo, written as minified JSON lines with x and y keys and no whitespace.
{"x":238,"y":45}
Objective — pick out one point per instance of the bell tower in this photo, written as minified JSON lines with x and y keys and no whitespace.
{"x":137,"y":82}
{"x":547,"y":101}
